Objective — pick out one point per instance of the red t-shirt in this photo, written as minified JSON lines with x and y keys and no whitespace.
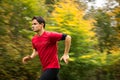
{"x":46,"y":45}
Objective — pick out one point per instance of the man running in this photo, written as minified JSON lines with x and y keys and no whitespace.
{"x":45,"y":46}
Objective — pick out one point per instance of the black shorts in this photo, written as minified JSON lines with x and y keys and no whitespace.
{"x":50,"y":74}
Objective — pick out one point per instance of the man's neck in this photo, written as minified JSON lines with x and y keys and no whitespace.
{"x":40,"y":32}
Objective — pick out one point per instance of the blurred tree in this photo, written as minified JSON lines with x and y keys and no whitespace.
{"x":115,"y":17}
{"x":67,"y":18}
{"x":15,"y":37}
{"x":51,"y":1}
{"x":104,"y":31}
{"x":64,"y":19}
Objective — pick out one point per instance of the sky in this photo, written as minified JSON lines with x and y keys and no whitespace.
{"x":98,"y":3}
{"x":101,"y":3}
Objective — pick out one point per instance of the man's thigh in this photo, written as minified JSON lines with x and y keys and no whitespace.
{"x":50,"y":74}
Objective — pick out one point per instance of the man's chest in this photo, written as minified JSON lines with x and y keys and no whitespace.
{"x":41,"y":42}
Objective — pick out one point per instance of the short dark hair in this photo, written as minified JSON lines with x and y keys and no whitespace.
{"x":40,"y":20}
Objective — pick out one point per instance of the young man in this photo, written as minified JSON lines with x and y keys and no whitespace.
{"x":45,"y":46}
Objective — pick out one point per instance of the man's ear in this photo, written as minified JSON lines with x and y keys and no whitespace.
{"x":42,"y":24}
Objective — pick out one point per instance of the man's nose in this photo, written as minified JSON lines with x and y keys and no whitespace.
{"x":32,"y":26}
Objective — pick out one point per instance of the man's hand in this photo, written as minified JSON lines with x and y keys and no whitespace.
{"x":26,"y":58}
{"x":65,"y":57}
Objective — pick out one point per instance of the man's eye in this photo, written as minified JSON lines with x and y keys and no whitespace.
{"x":34,"y":23}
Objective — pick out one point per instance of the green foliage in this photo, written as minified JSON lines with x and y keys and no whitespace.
{"x":104,"y":31}
{"x":11,"y":69}
{"x":92,"y":66}
{"x":51,"y":1}
{"x":64,"y":20}
{"x":15,"y":38}
{"x":107,"y":30}
{"x":66,"y":16}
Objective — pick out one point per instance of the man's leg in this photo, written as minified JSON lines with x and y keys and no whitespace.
{"x":57,"y":78}
{"x":50,"y":74}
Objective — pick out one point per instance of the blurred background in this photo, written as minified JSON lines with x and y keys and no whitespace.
{"x":94,"y":26}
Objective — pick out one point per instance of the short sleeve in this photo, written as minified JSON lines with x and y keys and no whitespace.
{"x":54,"y":36}
{"x":33,"y":46}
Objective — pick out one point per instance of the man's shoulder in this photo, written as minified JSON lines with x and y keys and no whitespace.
{"x":51,"y":32}
{"x":48,"y":32}
{"x":34,"y":36}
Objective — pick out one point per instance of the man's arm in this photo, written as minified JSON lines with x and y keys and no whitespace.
{"x":35,"y":53}
{"x":29,"y":57}
{"x":65,"y":56}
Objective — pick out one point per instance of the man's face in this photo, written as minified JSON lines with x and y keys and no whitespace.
{"x":36,"y":27}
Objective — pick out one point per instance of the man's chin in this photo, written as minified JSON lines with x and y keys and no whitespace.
{"x":35,"y":31}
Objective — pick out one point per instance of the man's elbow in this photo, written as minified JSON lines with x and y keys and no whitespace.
{"x":68,"y":37}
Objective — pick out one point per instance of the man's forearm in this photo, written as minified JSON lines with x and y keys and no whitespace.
{"x":35,"y":53}
{"x":67,"y":44}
